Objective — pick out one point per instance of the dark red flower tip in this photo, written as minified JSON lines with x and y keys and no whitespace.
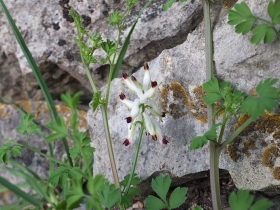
{"x":163,"y":114}
{"x":124,"y":75}
{"x":154,"y":137}
{"x":146,"y":66}
{"x":154,"y":84}
{"x":134,"y":78}
{"x":128,"y":119}
{"x":126,"y":142}
{"x":122,"y":96}
{"x":164,"y":141}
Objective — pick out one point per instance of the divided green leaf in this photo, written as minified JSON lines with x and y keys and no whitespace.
{"x":96,"y":100}
{"x":178,"y":197}
{"x":154,"y":203}
{"x":59,"y":127}
{"x":161,"y":186}
{"x":70,"y":101}
{"x":199,"y":141}
{"x":115,"y":18}
{"x":273,"y":11}
{"x":27,"y":125}
{"x":242,"y":200}
{"x":266,"y":99}
{"x":109,"y":195}
{"x":242,"y":17}
{"x":263,"y":31}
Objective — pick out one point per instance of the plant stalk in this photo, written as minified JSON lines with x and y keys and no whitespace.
{"x":109,"y":145}
{"x":214,"y":157}
{"x":135,"y":159}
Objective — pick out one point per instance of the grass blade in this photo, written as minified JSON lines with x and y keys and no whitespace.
{"x":36,"y":72}
{"x":126,"y":43}
{"x":19,"y":192}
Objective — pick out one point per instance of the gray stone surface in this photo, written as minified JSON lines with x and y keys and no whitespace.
{"x":48,"y":32}
{"x":237,"y":61}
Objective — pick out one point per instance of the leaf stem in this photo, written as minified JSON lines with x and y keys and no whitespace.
{"x":263,"y":20}
{"x":135,"y":158}
{"x":109,"y":145}
{"x":238,"y":131}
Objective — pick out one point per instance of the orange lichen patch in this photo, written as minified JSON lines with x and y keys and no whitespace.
{"x":199,"y":108}
{"x":2,"y":111}
{"x":276,"y":173}
{"x":269,"y":156}
{"x":174,"y":100}
{"x":4,"y":196}
{"x":25,"y":105}
{"x":267,"y":124}
{"x":233,"y":149}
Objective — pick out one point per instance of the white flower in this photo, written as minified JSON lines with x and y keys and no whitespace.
{"x":145,"y":92}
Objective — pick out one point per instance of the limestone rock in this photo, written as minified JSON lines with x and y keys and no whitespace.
{"x":48,"y":30}
{"x":180,"y":71}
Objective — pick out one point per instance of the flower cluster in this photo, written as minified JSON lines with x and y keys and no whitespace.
{"x":145,"y":92}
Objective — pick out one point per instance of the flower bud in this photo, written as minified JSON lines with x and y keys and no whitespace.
{"x":147,"y":77}
{"x":149,"y":126}
{"x":130,"y":84}
{"x":127,"y":102}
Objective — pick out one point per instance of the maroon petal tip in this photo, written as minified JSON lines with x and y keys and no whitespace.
{"x":146,"y":66}
{"x":154,"y":137}
{"x":122,"y":96}
{"x":126,"y":142}
{"x":133,"y":78}
{"x":154,"y":84}
{"x":128,"y":119}
{"x":124,"y":75}
{"x":164,"y":141}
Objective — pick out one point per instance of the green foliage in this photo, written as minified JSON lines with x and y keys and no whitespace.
{"x":96,"y":100}
{"x":27,"y":125}
{"x":78,"y":22}
{"x":243,"y":19}
{"x":169,"y":4}
{"x":109,"y":195}
{"x":161,"y":186}
{"x":85,"y":151}
{"x":126,"y":199}
{"x":273,"y":11}
{"x":199,"y":141}
{"x":70,"y":101}
{"x":130,"y":4}
{"x":62,"y":173}
{"x":263,"y":31}
{"x":242,"y":200}
{"x":96,"y":40}
{"x":8,"y":148}
{"x":115,"y":18}
{"x":95,"y":185}
{"x":266,"y":99}
{"x":110,"y":48}
{"x":197,"y":208}
{"x":60,"y":129}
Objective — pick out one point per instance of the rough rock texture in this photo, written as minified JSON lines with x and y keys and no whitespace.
{"x":180,"y":71}
{"x":48,"y":30}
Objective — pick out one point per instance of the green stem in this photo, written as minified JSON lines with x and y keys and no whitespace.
{"x":42,"y":154}
{"x":214,"y":157}
{"x":266,"y":21}
{"x":225,"y":119}
{"x":135,"y":158}
{"x":235,"y":134}
{"x":109,"y":145}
